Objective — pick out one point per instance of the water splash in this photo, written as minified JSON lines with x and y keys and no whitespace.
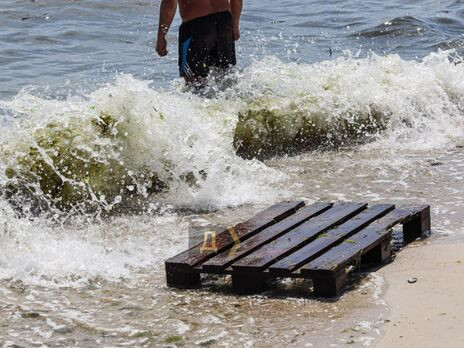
{"x":129,"y":143}
{"x":37,"y":252}
{"x":290,"y":107}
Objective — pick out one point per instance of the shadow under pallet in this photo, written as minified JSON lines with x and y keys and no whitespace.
{"x":321,"y":242}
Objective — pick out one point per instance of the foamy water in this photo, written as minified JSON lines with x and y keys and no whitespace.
{"x":130,"y":140}
{"x":149,"y":136}
{"x":103,"y":177}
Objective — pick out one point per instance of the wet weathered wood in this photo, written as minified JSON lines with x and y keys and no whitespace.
{"x":248,"y":283}
{"x":379,"y":254}
{"x":330,"y":286}
{"x":179,"y":267}
{"x":182,"y":279}
{"x":316,"y":242}
{"x":329,"y":239}
{"x":363,"y":241}
{"x":228,"y":257}
{"x":373,"y":243}
{"x":417,"y":227}
{"x":297,"y":237}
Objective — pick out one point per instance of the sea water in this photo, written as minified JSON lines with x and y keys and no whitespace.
{"x":106,"y":163}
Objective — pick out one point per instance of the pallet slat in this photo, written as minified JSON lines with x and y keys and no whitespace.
{"x":225,"y":259}
{"x":329,"y":239}
{"x":297,"y":237}
{"x":179,"y":268}
{"x":372,"y":243}
{"x":359,"y":243}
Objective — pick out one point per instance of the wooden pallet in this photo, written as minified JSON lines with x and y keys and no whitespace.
{"x":290,"y":239}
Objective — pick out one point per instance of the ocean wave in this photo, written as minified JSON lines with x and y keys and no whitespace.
{"x":125,"y":143}
{"x":129,"y":142}
{"x":401,"y":26}
{"x":287,"y":106}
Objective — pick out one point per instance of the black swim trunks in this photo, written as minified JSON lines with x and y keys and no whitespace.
{"x":206,"y":42}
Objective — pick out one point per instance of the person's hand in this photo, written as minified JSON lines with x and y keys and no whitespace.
{"x":161,"y":46}
{"x":236,"y":33}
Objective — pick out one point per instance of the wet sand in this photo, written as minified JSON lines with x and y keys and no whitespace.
{"x":427,"y":313}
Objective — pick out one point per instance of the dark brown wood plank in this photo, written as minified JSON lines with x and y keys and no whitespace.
{"x":330,"y":239}
{"x":351,"y":250}
{"x":225,"y":259}
{"x":297,"y":237}
{"x":189,"y":258}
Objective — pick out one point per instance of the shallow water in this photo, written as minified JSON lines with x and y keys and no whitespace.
{"x":71,"y":46}
{"x":107,"y":164}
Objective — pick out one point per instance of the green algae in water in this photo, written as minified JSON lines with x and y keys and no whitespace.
{"x":30,"y":315}
{"x":76,"y":163}
{"x":81,"y":161}
{"x":173,"y":339}
{"x":264,"y":131}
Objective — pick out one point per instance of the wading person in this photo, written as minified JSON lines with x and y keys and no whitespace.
{"x":206,"y":37}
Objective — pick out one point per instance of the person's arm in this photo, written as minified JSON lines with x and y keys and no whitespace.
{"x":168,"y":10}
{"x":236,"y":10}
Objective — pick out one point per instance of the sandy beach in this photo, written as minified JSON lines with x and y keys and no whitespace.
{"x":427,"y":313}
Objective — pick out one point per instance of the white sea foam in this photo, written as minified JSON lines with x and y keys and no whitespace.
{"x":420,"y":103}
{"x":39,"y":254}
{"x":175,"y":136}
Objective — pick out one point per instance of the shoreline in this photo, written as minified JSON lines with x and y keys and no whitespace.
{"x":426,"y":313}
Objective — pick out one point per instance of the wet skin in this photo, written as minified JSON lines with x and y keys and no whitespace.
{"x":191,"y":9}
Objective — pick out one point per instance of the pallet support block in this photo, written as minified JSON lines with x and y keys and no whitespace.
{"x":248,"y":283}
{"x":418,"y":226}
{"x":330,"y":285}
{"x":379,"y":254}
{"x":182,"y":280}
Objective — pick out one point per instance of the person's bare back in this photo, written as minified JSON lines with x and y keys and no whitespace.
{"x":206,"y":36}
{"x":191,"y":9}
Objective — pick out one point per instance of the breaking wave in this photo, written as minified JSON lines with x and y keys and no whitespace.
{"x":133,"y":144}
{"x":122,"y":145}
